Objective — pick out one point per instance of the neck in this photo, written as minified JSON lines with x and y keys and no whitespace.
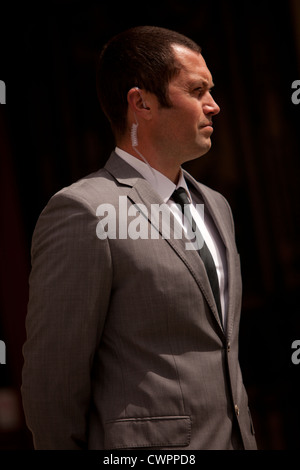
{"x":159,"y":163}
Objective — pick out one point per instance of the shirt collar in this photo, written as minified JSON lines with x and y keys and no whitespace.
{"x":160,"y":183}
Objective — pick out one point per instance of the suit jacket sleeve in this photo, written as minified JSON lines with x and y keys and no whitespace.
{"x":70,"y":285}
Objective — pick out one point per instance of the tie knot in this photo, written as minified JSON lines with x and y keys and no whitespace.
{"x":180,"y":197}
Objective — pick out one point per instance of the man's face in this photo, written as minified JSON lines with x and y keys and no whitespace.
{"x":183,"y":131}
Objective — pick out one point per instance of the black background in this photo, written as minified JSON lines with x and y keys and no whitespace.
{"x":52,"y":132}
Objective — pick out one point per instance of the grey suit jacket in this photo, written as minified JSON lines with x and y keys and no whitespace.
{"x":124,"y":345}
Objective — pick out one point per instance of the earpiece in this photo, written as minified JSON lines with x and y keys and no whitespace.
{"x":134,"y":137}
{"x":133,"y":134}
{"x":139,"y":91}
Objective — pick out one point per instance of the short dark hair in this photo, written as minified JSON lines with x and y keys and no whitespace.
{"x":139,"y":57}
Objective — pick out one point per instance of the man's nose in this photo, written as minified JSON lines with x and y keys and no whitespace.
{"x":210,"y":106}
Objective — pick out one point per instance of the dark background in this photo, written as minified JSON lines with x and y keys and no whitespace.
{"x":52,"y":132}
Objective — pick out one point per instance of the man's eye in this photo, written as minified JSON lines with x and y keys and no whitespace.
{"x":199,"y":91}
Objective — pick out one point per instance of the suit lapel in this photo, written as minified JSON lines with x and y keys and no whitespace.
{"x":142,"y":193}
{"x":225,"y":231}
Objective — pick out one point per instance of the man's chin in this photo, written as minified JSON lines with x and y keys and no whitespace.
{"x":198,"y":151}
{"x":202,"y":150}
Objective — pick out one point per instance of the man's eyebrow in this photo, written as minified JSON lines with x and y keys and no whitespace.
{"x":201,"y":83}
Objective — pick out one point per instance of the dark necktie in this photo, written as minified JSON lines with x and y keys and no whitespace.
{"x":180,"y":197}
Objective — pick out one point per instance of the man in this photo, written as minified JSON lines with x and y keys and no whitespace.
{"x":130,"y":343}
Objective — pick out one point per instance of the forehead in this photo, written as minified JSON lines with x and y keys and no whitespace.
{"x":193,"y":66}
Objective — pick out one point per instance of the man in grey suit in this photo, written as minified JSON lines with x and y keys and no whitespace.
{"x":131,"y":344}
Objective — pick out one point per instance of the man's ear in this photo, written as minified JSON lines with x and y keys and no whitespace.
{"x":136,"y":101}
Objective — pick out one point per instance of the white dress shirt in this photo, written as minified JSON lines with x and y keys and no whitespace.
{"x":164,"y":187}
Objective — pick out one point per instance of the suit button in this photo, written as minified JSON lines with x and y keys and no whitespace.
{"x":228,"y":347}
{"x":237,"y":410}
